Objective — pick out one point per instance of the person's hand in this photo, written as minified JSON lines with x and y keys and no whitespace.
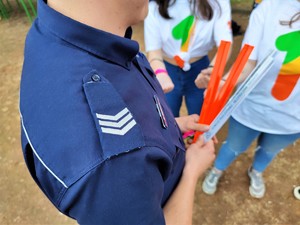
{"x":188,"y":141}
{"x":165,"y":82}
{"x":187,"y":123}
{"x":203,"y":78}
{"x":199,"y":156}
{"x":190,"y":123}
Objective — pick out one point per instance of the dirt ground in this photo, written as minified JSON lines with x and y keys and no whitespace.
{"x":21,"y":202}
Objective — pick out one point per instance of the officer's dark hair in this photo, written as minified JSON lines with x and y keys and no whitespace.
{"x":201,"y":6}
{"x":293,"y":19}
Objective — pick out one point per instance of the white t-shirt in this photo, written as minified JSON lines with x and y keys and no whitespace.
{"x":274,"y":105}
{"x":176,"y":36}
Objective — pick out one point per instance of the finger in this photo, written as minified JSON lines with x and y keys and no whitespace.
{"x":206,"y":78}
{"x":166,"y":90}
{"x":215,"y":140}
{"x":199,"y":127}
{"x":194,"y":117}
{"x":199,"y":83}
{"x":209,"y":147}
{"x":200,"y":141}
{"x":169,"y":88}
{"x":194,"y":125}
{"x":205,"y":71}
{"x":198,"y":78}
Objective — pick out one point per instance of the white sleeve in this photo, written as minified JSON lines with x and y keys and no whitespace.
{"x":222,"y":27}
{"x":255,"y":29}
{"x":152,"y":35}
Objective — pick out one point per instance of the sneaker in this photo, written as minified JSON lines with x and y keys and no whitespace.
{"x":209,"y":185}
{"x":257,"y":187}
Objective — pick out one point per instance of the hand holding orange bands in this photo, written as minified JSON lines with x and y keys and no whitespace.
{"x":215,"y":100}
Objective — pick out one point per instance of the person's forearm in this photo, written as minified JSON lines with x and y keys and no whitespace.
{"x":179,"y":208}
{"x":213,"y":61}
{"x":250,"y":65}
{"x":156,"y":60}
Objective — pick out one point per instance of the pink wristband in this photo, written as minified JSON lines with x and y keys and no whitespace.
{"x":158,"y":71}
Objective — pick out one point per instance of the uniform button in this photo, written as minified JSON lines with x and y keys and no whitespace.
{"x":96,"y":78}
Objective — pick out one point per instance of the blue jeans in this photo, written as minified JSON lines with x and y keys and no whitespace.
{"x":185,"y":86}
{"x":239,"y":139}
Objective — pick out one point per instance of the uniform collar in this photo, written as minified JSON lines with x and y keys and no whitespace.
{"x":105,"y":45}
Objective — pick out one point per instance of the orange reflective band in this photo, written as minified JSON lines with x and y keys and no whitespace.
{"x":216,"y":99}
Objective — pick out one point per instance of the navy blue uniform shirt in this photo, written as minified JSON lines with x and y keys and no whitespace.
{"x":94,"y":136}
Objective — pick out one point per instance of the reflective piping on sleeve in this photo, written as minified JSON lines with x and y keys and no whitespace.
{"x":36,"y":154}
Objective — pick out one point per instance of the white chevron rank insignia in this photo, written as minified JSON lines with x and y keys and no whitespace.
{"x":118,"y":124}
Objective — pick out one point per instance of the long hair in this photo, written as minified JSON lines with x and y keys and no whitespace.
{"x":201,"y":6}
{"x":293,"y":19}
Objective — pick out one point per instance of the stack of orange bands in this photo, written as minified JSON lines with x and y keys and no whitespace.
{"x":216,"y":99}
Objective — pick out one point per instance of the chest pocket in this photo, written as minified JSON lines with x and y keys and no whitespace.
{"x":118,"y":130}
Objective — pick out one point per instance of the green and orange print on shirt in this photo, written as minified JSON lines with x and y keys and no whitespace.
{"x":184,"y":31}
{"x":289,"y":73}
